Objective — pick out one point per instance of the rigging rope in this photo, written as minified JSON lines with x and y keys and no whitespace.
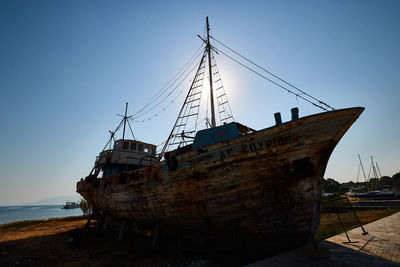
{"x":112,"y":135}
{"x":277,"y":84}
{"x":170,"y":82}
{"x":160,"y":111}
{"x":140,"y":115}
{"x":301,"y":91}
{"x":162,"y":100}
{"x":190,"y":108}
{"x":224,"y":108}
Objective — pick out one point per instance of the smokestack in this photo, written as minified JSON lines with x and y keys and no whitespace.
{"x":295,"y":114}
{"x":278,"y":119}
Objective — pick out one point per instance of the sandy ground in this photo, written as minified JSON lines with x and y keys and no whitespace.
{"x":44,"y":228}
{"x":65,"y":242}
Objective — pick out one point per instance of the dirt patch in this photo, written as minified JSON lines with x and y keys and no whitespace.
{"x":67,"y":243}
{"x":64,"y":242}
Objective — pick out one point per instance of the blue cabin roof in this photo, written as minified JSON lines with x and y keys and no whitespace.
{"x":214,"y":135}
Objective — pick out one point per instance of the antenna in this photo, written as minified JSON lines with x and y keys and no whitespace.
{"x":125,"y":119}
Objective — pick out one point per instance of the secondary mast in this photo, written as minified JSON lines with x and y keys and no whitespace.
{"x":208,"y":47}
{"x":125,"y":118}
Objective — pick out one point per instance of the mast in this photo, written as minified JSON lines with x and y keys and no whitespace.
{"x":191,"y":105}
{"x":208,"y":47}
{"x":377,"y":167}
{"x":373,"y":168}
{"x":125,"y":118}
{"x":362,"y":168}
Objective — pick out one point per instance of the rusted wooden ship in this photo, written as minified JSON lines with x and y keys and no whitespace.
{"x":264,"y":184}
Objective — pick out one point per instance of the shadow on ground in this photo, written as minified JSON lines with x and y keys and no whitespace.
{"x":94,"y":247}
{"x":328,"y":254}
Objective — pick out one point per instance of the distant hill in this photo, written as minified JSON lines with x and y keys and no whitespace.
{"x":55,"y":200}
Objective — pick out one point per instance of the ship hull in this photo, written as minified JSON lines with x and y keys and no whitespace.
{"x":264,"y":186}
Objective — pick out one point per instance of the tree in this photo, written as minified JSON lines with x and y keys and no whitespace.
{"x":85,"y":206}
{"x":330,"y":185}
{"x":396,"y":180}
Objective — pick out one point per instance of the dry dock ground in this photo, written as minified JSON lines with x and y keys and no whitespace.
{"x":380,"y":247}
{"x":63,"y":242}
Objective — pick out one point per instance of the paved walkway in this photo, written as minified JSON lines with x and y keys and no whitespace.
{"x":380,"y":247}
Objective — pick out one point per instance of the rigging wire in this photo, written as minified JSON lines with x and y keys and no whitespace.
{"x":149,"y":105}
{"x":160,"y":111}
{"x":129,"y":124}
{"x":162,"y":100}
{"x":112,"y":135}
{"x":208,"y":99}
{"x":277,"y":84}
{"x":192,"y":128}
{"x":222,"y":98}
{"x":298,"y":89}
{"x":171,"y":81}
{"x":186,"y":109}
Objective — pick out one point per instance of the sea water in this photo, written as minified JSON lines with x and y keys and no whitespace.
{"x":21,"y":213}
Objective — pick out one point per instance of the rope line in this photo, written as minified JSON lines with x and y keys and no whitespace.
{"x":301,"y":91}
{"x":277,"y":84}
{"x":163,"y":99}
{"x":170,"y":82}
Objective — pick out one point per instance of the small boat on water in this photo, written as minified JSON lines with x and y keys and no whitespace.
{"x":70,"y":205}
{"x":260,"y":186}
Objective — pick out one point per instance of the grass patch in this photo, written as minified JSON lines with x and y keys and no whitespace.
{"x":330,"y":224}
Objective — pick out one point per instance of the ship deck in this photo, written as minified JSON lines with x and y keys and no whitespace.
{"x":380,"y":247}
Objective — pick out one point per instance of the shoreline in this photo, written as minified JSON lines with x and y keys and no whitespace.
{"x":11,"y":214}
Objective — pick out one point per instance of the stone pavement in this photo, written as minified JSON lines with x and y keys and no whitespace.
{"x":380,"y":247}
{"x":382,"y":240}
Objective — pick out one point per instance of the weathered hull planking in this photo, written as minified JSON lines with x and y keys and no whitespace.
{"x":267,"y":184}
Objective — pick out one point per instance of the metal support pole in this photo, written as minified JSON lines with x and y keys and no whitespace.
{"x":355,"y":215}
{"x":344,"y":229}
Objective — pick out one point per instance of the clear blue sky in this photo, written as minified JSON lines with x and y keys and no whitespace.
{"x":67,"y":67}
